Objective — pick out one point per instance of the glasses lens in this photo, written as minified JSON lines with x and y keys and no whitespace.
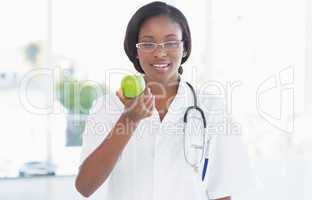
{"x":194,"y":138}
{"x":147,"y":46}
{"x":172,"y":45}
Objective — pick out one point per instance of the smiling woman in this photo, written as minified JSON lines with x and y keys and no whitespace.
{"x":153,"y":166}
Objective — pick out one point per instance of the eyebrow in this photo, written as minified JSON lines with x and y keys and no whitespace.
{"x":171,"y":35}
{"x":146,"y":36}
{"x":151,"y":37}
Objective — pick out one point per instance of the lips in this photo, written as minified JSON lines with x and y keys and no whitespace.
{"x":161,"y":67}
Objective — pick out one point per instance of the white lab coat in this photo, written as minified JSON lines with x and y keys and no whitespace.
{"x":152,"y":165}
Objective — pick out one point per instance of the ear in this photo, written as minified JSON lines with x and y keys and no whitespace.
{"x":184,"y":54}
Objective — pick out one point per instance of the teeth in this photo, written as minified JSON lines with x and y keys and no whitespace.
{"x":160,"y":65}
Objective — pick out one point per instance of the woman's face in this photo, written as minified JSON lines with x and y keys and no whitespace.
{"x":160,"y":65}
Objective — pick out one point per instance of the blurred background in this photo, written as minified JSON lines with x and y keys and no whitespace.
{"x":258,"y":52}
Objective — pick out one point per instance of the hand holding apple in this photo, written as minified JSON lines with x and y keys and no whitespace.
{"x":132,"y":85}
{"x":139,"y":102}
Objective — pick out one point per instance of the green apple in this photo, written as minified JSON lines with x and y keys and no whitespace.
{"x":132,"y":85}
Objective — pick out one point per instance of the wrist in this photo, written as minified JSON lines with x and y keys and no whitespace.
{"x":129,"y":120}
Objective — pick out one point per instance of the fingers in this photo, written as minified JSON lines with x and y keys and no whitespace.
{"x":119,"y":93}
{"x":142,"y":105}
{"x":147,"y":94}
{"x":149,"y":104}
{"x":148,"y":99}
{"x":147,"y":91}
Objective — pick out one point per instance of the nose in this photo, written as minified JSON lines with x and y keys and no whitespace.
{"x":160,"y":52}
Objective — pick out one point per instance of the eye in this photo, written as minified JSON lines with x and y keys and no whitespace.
{"x":172,"y":44}
{"x":147,"y":45}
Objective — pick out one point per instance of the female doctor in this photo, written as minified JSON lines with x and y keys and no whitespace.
{"x":134,"y":148}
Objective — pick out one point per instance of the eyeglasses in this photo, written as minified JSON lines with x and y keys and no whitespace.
{"x":152,"y":46}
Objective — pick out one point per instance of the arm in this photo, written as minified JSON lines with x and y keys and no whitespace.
{"x":97,"y":167}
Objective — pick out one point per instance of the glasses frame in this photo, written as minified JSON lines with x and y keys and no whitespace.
{"x":162,"y":45}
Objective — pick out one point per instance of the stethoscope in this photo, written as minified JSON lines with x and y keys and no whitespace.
{"x":200,"y":146}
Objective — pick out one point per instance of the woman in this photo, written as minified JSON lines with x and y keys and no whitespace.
{"x":136,"y":148}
